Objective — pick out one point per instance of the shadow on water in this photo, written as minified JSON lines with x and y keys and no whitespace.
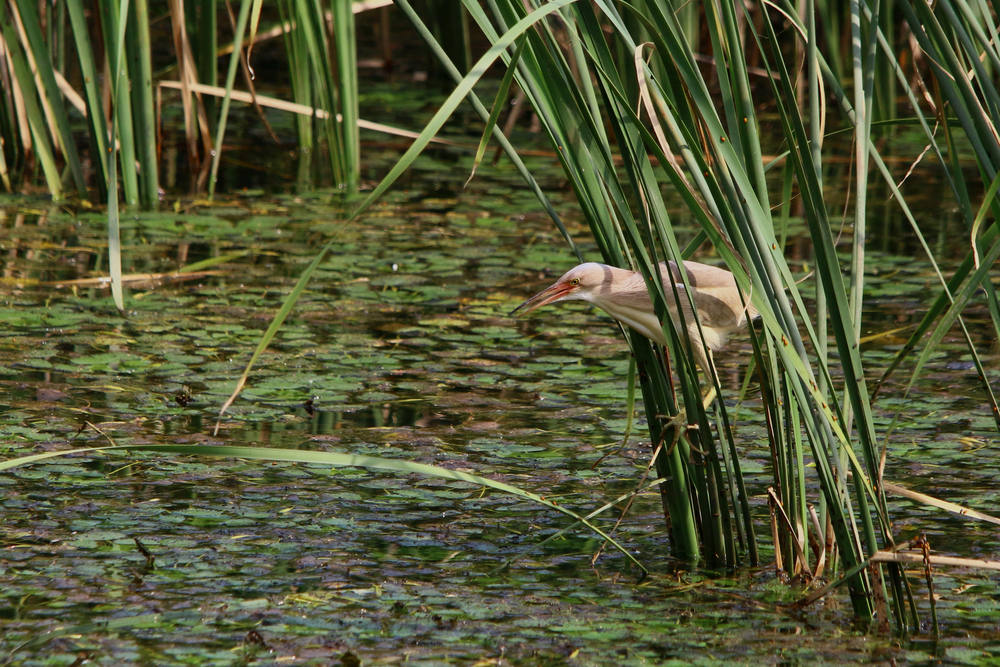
{"x":401,"y":348}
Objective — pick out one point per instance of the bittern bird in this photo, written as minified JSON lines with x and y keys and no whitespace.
{"x":623,"y":295}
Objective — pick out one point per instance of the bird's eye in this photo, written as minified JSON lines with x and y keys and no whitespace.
{"x":574,"y":282}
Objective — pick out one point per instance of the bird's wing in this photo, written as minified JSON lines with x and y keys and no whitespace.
{"x":714,"y":291}
{"x":700,"y":275}
{"x":629,"y":288}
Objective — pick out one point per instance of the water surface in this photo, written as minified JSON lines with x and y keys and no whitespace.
{"x":402,"y":348}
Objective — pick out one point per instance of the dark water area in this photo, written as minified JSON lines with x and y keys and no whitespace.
{"x":402,"y":347}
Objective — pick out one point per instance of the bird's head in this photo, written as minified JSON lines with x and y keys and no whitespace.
{"x":582,"y":282}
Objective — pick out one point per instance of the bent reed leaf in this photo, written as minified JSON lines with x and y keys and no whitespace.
{"x":335,"y":459}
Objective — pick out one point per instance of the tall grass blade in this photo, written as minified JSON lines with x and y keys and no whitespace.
{"x":33,"y":115}
{"x":202,"y":26}
{"x":97,"y":125}
{"x":346,"y":69}
{"x":234,"y":60}
{"x":26,"y":16}
{"x":498,"y":104}
{"x":141,"y":94}
{"x":316,"y":57}
{"x":114,"y":19}
{"x":334,"y":459}
{"x":505,"y":144}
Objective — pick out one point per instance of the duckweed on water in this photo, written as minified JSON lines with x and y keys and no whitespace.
{"x":400,"y":348}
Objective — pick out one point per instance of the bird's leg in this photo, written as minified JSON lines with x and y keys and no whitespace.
{"x":678,"y":424}
{"x":709,"y":397}
{"x":706,"y":401}
{"x":713,"y":381}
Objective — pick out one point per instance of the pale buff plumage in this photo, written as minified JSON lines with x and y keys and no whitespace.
{"x":623,"y":295}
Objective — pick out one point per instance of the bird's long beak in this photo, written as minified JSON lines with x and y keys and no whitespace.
{"x":551,"y":293}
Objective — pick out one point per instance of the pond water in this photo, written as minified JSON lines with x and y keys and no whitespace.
{"x":402,"y":348}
